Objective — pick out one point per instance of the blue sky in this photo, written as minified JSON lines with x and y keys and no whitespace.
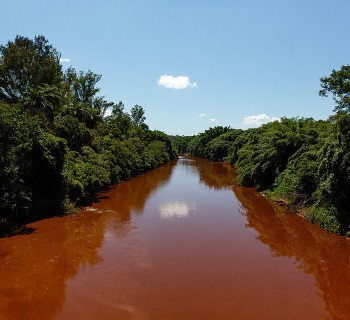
{"x":194,"y":64}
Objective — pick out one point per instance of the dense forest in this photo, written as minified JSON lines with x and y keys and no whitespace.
{"x":298,"y":162}
{"x":60,"y":141}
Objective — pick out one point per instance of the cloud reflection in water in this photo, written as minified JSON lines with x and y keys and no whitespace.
{"x":175,"y":209}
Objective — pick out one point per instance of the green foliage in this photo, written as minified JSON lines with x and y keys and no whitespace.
{"x":44,"y":100}
{"x":80,"y":93}
{"x":299,"y":180}
{"x":57,"y":146}
{"x":264,"y":153}
{"x":302,"y":162}
{"x":31,"y":162}
{"x":180,"y":143}
{"x":326,"y":218}
{"x":218,"y":148}
{"x":138,"y":115}
{"x":25,"y":64}
{"x":74,"y":132}
{"x":334,"y":172}
{"x":198,"y":146}
{"x":42,"y":171}
{"x":13,"y":192}
{"x":85,"y":173}
{"x":338,"y":83}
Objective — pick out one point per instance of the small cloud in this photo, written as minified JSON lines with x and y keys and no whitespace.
{"x":258,"y":120}
{"x":178,"y":82}
{"x":213,"y":120}
{"x":201,"y":115}
{"x":64,"y":60}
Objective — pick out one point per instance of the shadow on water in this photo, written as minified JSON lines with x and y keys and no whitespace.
{"x":15,"y":228}
{"x":130,"y":197}
{"x":215,"y":175}
{"x":34,"y":268}
{"x":326,"y":256}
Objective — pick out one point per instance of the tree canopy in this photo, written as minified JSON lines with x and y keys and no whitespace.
{"x":57,"y":146}
{"x":26,"y":63}
{"x":338,"y":84}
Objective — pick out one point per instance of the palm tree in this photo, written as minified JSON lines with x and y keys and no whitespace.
{"x":42,"y":100}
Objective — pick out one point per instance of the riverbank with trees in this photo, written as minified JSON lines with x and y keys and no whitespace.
{"x":60,"y":141}
{"x":300,"y":162}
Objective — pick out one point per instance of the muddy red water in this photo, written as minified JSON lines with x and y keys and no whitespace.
{"x":182,"y":242}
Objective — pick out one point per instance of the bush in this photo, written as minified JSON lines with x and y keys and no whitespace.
{"x":325,"y":218}
{"x":85,"y":174}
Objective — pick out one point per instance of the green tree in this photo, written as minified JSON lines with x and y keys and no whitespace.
{"x":81,"y":96}
{"x":82,"y":85}
{"x":199,"y":145}
{"x":26,"y":63}
{"x":338,"y":83}
{"x":138,"y":115}
{"x":45,"y":100}
{"x":57,"y":147}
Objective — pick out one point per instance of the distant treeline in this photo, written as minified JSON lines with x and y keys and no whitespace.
{"x":60,"y":141}
{"x":302,"y":163}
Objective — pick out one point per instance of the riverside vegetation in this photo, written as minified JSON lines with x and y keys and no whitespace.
{"x":58,"y":146}
{"x":299,"y":162}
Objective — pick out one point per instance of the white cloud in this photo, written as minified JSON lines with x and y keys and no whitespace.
{"x":213,"y":120}
{"x":258,"y":120}
{"x":178,"y":82}
{"x":64,"y":60}
{"x":201,"y":115}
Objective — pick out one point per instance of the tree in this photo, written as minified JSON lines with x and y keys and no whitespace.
{"x":82,"y":86}
{"x":338,"y":83}
{"x":81,"y":96}
{"x":26,"y":63}
{"x":137,"y":115}
{"x":117,"y":110}
{"x":44,"y":99}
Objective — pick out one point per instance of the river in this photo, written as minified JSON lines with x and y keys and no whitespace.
{"x":181,"y":242}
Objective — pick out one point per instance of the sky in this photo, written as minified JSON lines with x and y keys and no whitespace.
{"x":195,"y":64}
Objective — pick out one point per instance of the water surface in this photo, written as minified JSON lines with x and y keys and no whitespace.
{"x":179,"y":242}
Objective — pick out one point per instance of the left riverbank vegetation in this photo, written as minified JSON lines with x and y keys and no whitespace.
{"x":60,"y":141}
{"x":299,"y":162}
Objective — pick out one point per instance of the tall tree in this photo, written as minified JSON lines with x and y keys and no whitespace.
{"x":81,"y":96}
{"x":338,"y":83}
{"x":138,"y":115}
{"x":82,"y":86}
{"x":26,"y":63}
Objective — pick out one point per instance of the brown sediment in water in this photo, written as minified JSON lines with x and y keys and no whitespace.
{"x":179,"y":242}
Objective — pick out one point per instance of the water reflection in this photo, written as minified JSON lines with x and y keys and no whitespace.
{"x":324,"y":255}
{"x":35,"y":268}
{"x":176,"y":209}
{"x":140,"y":253}
{"x":130,"y":196}
{"x":215,"y":175}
